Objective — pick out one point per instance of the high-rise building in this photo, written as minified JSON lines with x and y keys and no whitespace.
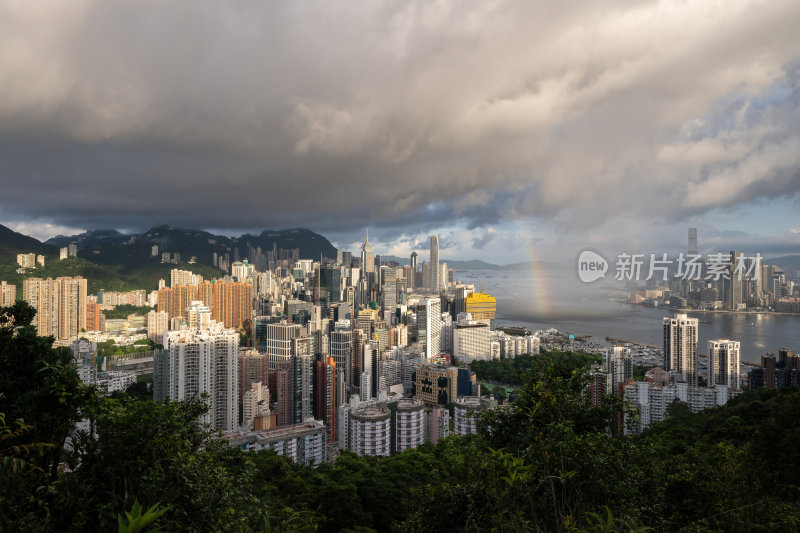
{"x":370,"y":431}
{"x":692,"y":241}
{"x":253,"y":368}
{"x":723,"y":363}
{"x":301,"y":379}
{"x":255,"y":407}
{"x":184,"y":277}
{"x":434,"y":384}
{"x":326,"y":395}
{"x":471,"y":341}
{"x":367,"y":256}
{"x":619,"y":366}
{"x":157,"y":324}
{"x":409,"y":424}
{"x":734,"y":284}
{"x":8,"y":293}
{"x":465,"y":415}
{"x":93,"y":322}
{"x":412,"y":277}
{"x":434,"y":265}
{"x":429,"y":326}
{"x":680,"y":347}
{"x":205,"y":361}
{"x":482,"y":307}
{"x":60,"y":305}
{"x":342,"y":351}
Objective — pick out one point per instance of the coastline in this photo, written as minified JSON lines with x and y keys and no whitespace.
{"x":715,"y":311}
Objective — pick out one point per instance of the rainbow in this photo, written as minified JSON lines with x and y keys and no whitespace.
{"x":541,"y":302}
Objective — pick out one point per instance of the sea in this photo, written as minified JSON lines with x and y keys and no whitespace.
{"x":540,"y":299}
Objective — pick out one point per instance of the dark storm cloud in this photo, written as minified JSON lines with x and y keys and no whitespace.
{"x":340,"y":115}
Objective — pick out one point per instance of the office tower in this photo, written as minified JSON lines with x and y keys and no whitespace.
{"x":253,"y":368}
{"x":471,"y":341}
{"x":434,"y":384}
{"x":734,"y":284}
{"x":692,"y":241}
{"x":409,"y":424}
{"x":723,"y":363}
{"x":459,"y":301}
{"x":330,"y":284}
{"x":465,"y":414}
{"x":326,"y":395}
{"x":680,"y":347}
{"x":341,"y":351}
{"x":301,"y":379}
{"x":412,"y":278}
{"x":367,"y":256}
{"x":8,"y":294}
{"x":368,"y":367}
{"x":482,"y":307}
{"x":205,"y":361}
{"x":442,"y":276}
{"x":255,"y":407}
{"x":369,"y":431}
{"x":60,"y":305}
{"x":434,"y":265}
{"x":429,"y":325}
{"x":279,"y":344}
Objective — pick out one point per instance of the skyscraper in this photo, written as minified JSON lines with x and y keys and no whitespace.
{"x":429,"y":326}
{"x":60,"y":305}
{"x":733,"y":286}
{"x":434,"y":266}
{"x":680,"y":347}
{"x":205,"y":361}
{"x":326,"y":395}
{"x":367,"y":256}
{"x":723,"y":363}
{"x":692,"y":241}
{"x":412,"y":278}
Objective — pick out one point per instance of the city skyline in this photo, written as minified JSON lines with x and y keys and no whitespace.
{"x":595,"y":125}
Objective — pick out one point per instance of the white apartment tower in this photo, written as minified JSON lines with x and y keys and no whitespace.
{"x":680,"y":347}
{"x":369,"y":431}
{"x":723,"y":363}
{"x":409,"y":424}
{"x":429,"y":326}
{"x":205,"y":361}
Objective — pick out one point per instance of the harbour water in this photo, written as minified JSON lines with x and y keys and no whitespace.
{"x":541,"y":300}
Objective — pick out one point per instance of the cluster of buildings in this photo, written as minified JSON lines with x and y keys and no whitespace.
{"x":679,"y":376}
{"x":347,"y":353}
{"x":742,"y":283}
{"x":302,"y":356}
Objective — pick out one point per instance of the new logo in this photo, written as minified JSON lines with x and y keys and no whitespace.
{"x":591,"y":266}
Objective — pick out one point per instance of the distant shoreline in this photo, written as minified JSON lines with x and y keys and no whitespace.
{"x":716,"y":311}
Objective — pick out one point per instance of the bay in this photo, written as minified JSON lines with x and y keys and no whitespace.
{"x":540,"y":299}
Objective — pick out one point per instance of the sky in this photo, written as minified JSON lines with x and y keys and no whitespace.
{"x":513,"y":130}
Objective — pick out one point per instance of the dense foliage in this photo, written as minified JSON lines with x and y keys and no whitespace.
{"x":547,"y":464}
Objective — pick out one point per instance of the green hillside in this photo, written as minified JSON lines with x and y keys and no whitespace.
{"x":143,"y":275}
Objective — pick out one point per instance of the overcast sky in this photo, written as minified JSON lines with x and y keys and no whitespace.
{"x":512,"y":129}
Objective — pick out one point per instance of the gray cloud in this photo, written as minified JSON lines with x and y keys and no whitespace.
{"x":251,"y":114}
